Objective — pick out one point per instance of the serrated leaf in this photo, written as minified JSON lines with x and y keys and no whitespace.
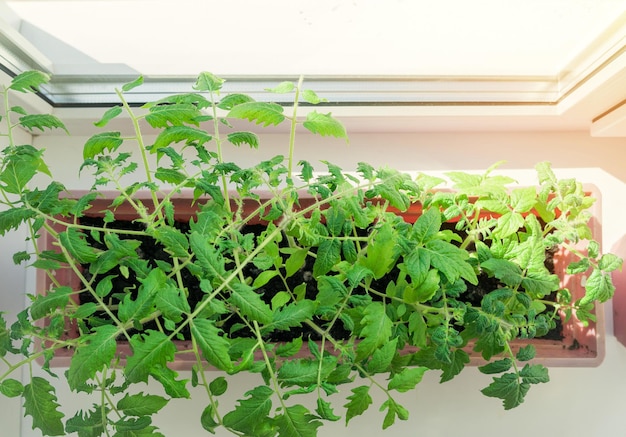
{"x":510,"y":388}
{"x":382,"y":357}
{"x":458,"y":359}
{"x":328,"y":254}
{"x":506,"y":271}
{"x":150,"y":350}
{"x":534,"y":374}
{"x":13,"y":218}
{"x":140,"y":404}
{"x":325,"y":411}
{"x":290,"y":348}
{"x":41,"y":122}
{"x":46,"y":303}
{"x":86,"y":424}
{"x":167,"y":377}
{"x":526,"y":353}
{"x":239,"y":138}
{"x":172,"y":303}
{"x":305,"y":372}
{"x":293,"y":315}
{"x":207,"y":419}
{"x":407,"y":379}
{"x":498,"y":366}
{"x":232,"y":100}
{"x":173,"y":240}
{"x":98,"y":143}
{"x":297,"y":421}
{"x":359,"y":402}
{"x":251,"y":411}
{"x":40,"y":402}
{"x":177,"y":134}
{"x":376,"y":329}
{"x":177,"y":114}
{"x":325,"y":125}
{"x":20,"y":257}
{"x":143,"y":304}
{"x":75,"y":243}
{"x":134,"y":84}
{"x":259,"y":113}
{"x":19,"y":169}
{"x":92,"y":356}
{"x":208,"y":82}
{"x":393,"y":409}
{"x":451,"y":261}
{"x":213,"y":344}
{"x":29,"y":81}
{"x":170,"y":175}
{"x":609,"y":262}
{"x":250,"y":303}
{"x":380,"y":252}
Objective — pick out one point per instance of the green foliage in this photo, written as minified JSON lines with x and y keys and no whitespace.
{"x":314,"y":284}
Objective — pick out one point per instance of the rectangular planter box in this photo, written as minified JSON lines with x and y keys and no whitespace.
{"x":581,"y":346}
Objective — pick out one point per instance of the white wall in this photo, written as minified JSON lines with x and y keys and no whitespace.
{"x":577,"y":402}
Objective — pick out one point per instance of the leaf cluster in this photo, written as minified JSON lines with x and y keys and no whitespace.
{"x":311,"y":279}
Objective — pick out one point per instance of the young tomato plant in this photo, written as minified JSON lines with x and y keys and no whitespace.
{"x":311,"y":280}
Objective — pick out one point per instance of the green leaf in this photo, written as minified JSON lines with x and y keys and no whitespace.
{"x":360,"y":400}
{"x":172,"y":303}
{"x":264,"y":278}
{"x":74,"y":241}
{"x":134,"y":84}
{"x":5,"y":337}
{"x":510,"y":388}
{"x":213,"y":344}
{"x":451,"y":261}
{"x":458,"y":359}
{"x":250,"y":412}
{"x":167,"y":377}
{"x":239,"y":138}
{"x":380,"y":252}
{"x":143,"y":305}
{"x":29,"y":81}
{"x":173,"y":240}
{"x":282,"y":88}
{"x":170,"y":175}
{"x":87,"y":424}
{"x":232,"y":100}
{"x":20,"y":257}
{"x":98,"y":143}
{"x":508,"y":224}
{"x":325,"y":125}
{"x":208,"y":419}
{"x":218,"y":386}
{"x":40,"y":402}
{"x":208,"y":82}
{"x":176,"y":134}
{"x":506,"y":271}
{"x":44,"y":304}
{"x":150,"y":350}
{"x":11,"y":388}
{"x":13,"y":218}
{"x":523,"y":199}
{"x":328,"y":254}
{"x":109,"y":115}
{"x":140,"y":404}
{"x":41,"y":122}
{"x":293,"y":315}
{"x":325,"y":411}
{"x":19,"y":169}
{"x":176,"y":114}
{"x":393,"y":409}
{"x":297,"y":421}
{"x":407,"y":379}
{"x":534,"y":374}
{"x":382,"y":357}
{"x":498,"y":366}
{"x":250,"y":303}
{"x":295,"y":262}
{"x":427,"y":225}
{"x":609,"y":262}
{"x":311,"y":97}
{"x":259,"y":112}
{"x":92,"y":356}
{"x":305,"y":372}
{"x":290,"y":348}
{"x":526,"y":353}
{"x":376,"y":329}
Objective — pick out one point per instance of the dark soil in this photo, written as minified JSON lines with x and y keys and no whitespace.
{"x":152,"y":251}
